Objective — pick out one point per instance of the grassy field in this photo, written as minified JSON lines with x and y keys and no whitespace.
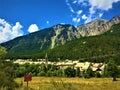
{"x":55,"y":83}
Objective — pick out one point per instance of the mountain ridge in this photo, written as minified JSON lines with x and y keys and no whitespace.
{"x":90,"y":29}
{"x":56,"y":35}
{"x":100,"y":48}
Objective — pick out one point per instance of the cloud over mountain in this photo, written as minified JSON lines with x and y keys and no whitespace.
{"x":33,"y":28}
{"x":9,"y":31}
{"x":89,"y":10}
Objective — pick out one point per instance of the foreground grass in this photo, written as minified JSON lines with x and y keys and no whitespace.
{"x":55,"y":83}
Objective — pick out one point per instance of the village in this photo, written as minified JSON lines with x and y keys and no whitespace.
{"x":64,"y":64}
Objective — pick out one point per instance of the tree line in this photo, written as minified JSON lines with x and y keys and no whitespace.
{"x":111,"y":70}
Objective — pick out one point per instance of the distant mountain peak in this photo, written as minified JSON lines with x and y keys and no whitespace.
{"x":98,"y":26}
{"x":61,"y":25}
{"x":100,"y":20}
{"x":118,"y":16}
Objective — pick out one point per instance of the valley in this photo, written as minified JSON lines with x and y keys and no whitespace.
{"x":59,"y":45}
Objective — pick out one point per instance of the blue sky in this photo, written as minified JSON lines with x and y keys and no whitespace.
{"x":20,"y":17}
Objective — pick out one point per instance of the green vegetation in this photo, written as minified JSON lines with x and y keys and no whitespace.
{"x":6,"y":73}
{"x":33,"y":43}
{"x":2,"y":51}
{"x":112,"y":70}
{"x":78,"y":72}
{"x":89,"y":73}
{"x":29,"y":44}
{"x":70,"y":72}
{"x":99,"y":48}
{"x":103,"y":48}
{"x":10,"y":71}
{"x":94,"y":49}
{"x":7,"y":76}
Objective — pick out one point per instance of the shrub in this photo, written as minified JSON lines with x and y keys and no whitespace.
{"x":70,"y":72}
{"x":97,"y":74}
{"x":42,"y":73}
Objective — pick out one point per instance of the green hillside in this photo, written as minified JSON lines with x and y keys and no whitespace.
{"x":96,"y":48}
{"x":38,"y":41}
{"x":29,"y":44}
{"x":99,"y":48}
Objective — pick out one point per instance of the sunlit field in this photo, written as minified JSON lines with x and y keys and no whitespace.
{"x":55,"y":83}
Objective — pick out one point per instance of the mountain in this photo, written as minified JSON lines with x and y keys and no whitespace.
{"x":57,"y":35}
{"x":100,"y":48}
{"x":97,"y":27}
{"x":92,"y":28}
{"x":42,"y":40}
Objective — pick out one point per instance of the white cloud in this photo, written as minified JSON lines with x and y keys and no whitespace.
{"x":75,"y":1}
{"x":47,"y":22}
{"x":89,"y":19}
{"x":92,"y":10}
{"x":8,"y":31}
{"x":102,"y":4}
{"x":17,"y":28}
{"x":70,"y":7}
{"x":95,"y":9}
{"x":76,"y":20}
{"x":84,"y":16}
{"x":62,"y":23}
{"x":79,"y":12}
{"x":80,"y":2}
{"x":33,"y":28}
{"x":100,"y":15}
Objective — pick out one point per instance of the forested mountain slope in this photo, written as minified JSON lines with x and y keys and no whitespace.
{"x":65,"y":41}
{"x":95,"y":48}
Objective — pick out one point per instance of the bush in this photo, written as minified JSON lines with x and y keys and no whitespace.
{"x":112,"y":69}
{"x":7,"y":76}
{"x":60,"y":73}
{"x":86,"y":75}
{"x":70,"y":72}
{"x":49,"y":74}
{"x":97,"y":74}
{"x":42,"y":73}
{"x":78,"y":74}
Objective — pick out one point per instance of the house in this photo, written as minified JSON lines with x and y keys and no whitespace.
{"x":68,"y":63}
{"x":64,"y":65}
{"x":99,"y":67}
{"x":83,"y":65}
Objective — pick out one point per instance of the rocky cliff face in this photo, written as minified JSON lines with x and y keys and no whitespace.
{"x":63,"y":33}
{"x":108,"y":25}
{"x":97,"y":27}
